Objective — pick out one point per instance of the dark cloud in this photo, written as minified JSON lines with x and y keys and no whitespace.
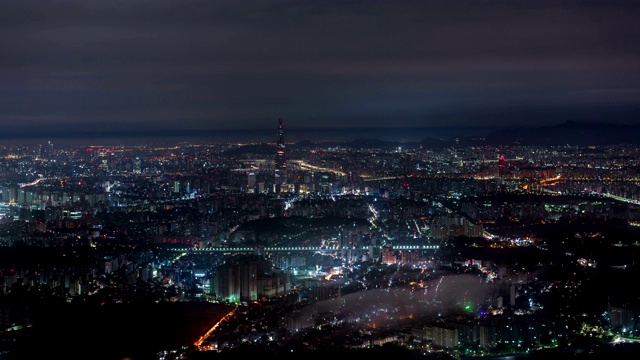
{"x":203,"y":65}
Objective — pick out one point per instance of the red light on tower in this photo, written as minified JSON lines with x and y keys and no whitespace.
{"x":501,"y":165}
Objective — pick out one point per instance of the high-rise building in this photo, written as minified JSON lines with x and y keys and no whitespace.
{"x":280,"y":159}
{"x":237,"y":279}
{"x":137,"y":168}
{"x":251,"y":182}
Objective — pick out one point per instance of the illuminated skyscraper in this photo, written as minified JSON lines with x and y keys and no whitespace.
{"x":281,"y":159}
{"x":251,"y":182}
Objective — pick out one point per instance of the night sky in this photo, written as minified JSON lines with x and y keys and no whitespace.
{"x":100,"y":67}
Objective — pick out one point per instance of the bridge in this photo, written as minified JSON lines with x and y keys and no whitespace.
{"x":264,"y":249}
{"x":35,"y":182}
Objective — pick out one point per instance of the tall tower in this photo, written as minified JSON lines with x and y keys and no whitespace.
{"x":502,"y":167}
{"x":280,"y":160}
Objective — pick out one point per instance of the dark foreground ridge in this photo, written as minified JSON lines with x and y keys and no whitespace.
{"x":114,"y":331}
{"x":394,"y":351}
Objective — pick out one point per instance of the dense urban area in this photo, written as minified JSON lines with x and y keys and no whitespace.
{"x":197,"y":251}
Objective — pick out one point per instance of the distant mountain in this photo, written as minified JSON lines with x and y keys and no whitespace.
{"x":252,"y":149}
{"x":373,"y":143}
{"x":368,"y":143}
{"x":433,"y":143}
{"x":304,"y":144}
{"x":360,"y":143}
{"x":573,"y":132}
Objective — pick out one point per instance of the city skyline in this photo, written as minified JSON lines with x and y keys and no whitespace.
{"x":212,"y":250}
{"x":96,"y":70}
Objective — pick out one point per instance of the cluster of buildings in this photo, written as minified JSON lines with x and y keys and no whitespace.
{"x":301,"y":225}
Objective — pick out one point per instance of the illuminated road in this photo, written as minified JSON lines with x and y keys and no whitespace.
{"x":619,"y":198}
{"x":204,"y":337}
{"x":395,"y":177}
{"x":305,"y":165}
{"x":36,"y":182}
